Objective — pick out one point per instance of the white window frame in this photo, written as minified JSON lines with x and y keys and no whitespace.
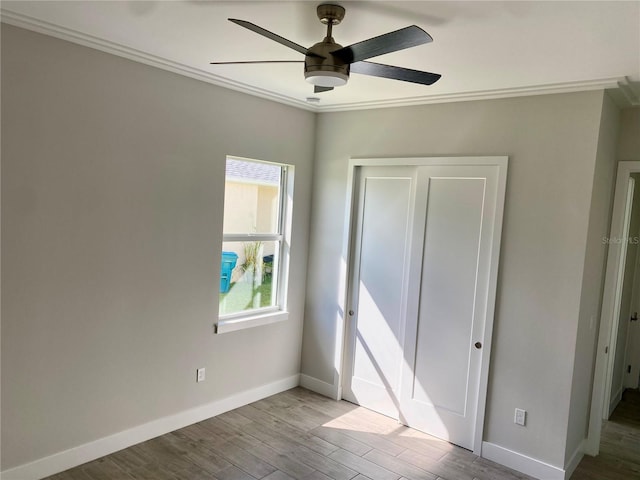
{"x":263,"y":316}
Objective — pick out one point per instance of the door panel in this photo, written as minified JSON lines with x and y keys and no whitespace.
{"x":442,"y":365}
{"x":632,"y":357}
{"x":456,"y":213}
{"x":385,"y":210}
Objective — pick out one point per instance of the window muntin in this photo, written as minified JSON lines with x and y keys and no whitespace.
{"x":256,"y":211}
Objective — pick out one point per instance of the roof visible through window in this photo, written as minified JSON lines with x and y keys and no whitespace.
{"x":253,"y":172}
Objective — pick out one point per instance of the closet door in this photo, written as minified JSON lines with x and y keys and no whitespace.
{"x":453,"y":278}
{"x":378,"y":289}
{"x":424,"y":263}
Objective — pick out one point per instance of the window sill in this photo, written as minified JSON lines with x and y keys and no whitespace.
{"x":250,"y":321}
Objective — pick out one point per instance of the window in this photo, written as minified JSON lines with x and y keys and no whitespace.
{"x":254,"y":268}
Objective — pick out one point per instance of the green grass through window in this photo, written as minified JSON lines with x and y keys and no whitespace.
{"x":243,"y":295}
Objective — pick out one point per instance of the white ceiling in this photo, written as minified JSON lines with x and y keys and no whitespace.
{"x":482,"y":49}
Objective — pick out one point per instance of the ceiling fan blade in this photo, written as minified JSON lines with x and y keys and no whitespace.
{"x":271,"y":35}
{"x":395,"y":73}
{"x":318,"y":89}
{"x":389,"y":42}
{"x":256,"y":61}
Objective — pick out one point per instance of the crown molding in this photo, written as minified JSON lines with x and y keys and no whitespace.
{"x":627,"y":93}
{"x":568,"y":87}
{"x":624,"y":91}
{"x":80,"y":38}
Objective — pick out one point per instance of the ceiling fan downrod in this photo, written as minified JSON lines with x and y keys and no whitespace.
{"x":330,"y":15}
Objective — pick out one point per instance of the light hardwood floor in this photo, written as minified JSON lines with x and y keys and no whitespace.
{"x":619,"y":457}
{"x":295,"y":434}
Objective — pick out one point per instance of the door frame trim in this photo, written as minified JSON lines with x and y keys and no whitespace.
{"x":605,"y":353}
{"x":348,"y":246}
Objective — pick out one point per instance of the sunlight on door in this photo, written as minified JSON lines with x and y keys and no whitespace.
{"x":385,"y":205}
{"x":424,"y":263}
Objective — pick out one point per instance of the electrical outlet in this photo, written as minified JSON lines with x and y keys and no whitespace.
{"x":520,"y":417}
{"x":200,"y":375}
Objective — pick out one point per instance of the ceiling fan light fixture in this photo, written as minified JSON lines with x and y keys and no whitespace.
{"x":324,"y":78}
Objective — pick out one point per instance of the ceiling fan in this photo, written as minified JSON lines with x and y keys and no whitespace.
{"x":328,"y":64}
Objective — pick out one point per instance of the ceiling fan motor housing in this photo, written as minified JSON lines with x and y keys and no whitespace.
{"x":321,"y":68}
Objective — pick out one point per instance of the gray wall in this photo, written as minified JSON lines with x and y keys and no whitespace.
{"x":629,"y":144}
{"x":551,"y":142}
{"x":593,"y":276}
{"x":112,"y":189}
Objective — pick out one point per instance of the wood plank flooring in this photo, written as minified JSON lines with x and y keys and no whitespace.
{"x":619,"y":457}
{"x":293,"y":435}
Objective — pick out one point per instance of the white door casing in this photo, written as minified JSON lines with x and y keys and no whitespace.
{"x":614,"y":392}
{"x":453,"y":237}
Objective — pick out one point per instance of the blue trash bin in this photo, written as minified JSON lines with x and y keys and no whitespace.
{"x":229,"y":260}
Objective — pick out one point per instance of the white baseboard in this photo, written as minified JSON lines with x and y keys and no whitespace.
{"x":521,"y":463}
{"x":90,"y":451}
{"x":318,"y":386}
{"x":575,"y":459}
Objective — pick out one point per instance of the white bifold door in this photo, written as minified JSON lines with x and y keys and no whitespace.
{"x":422,"y":292}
